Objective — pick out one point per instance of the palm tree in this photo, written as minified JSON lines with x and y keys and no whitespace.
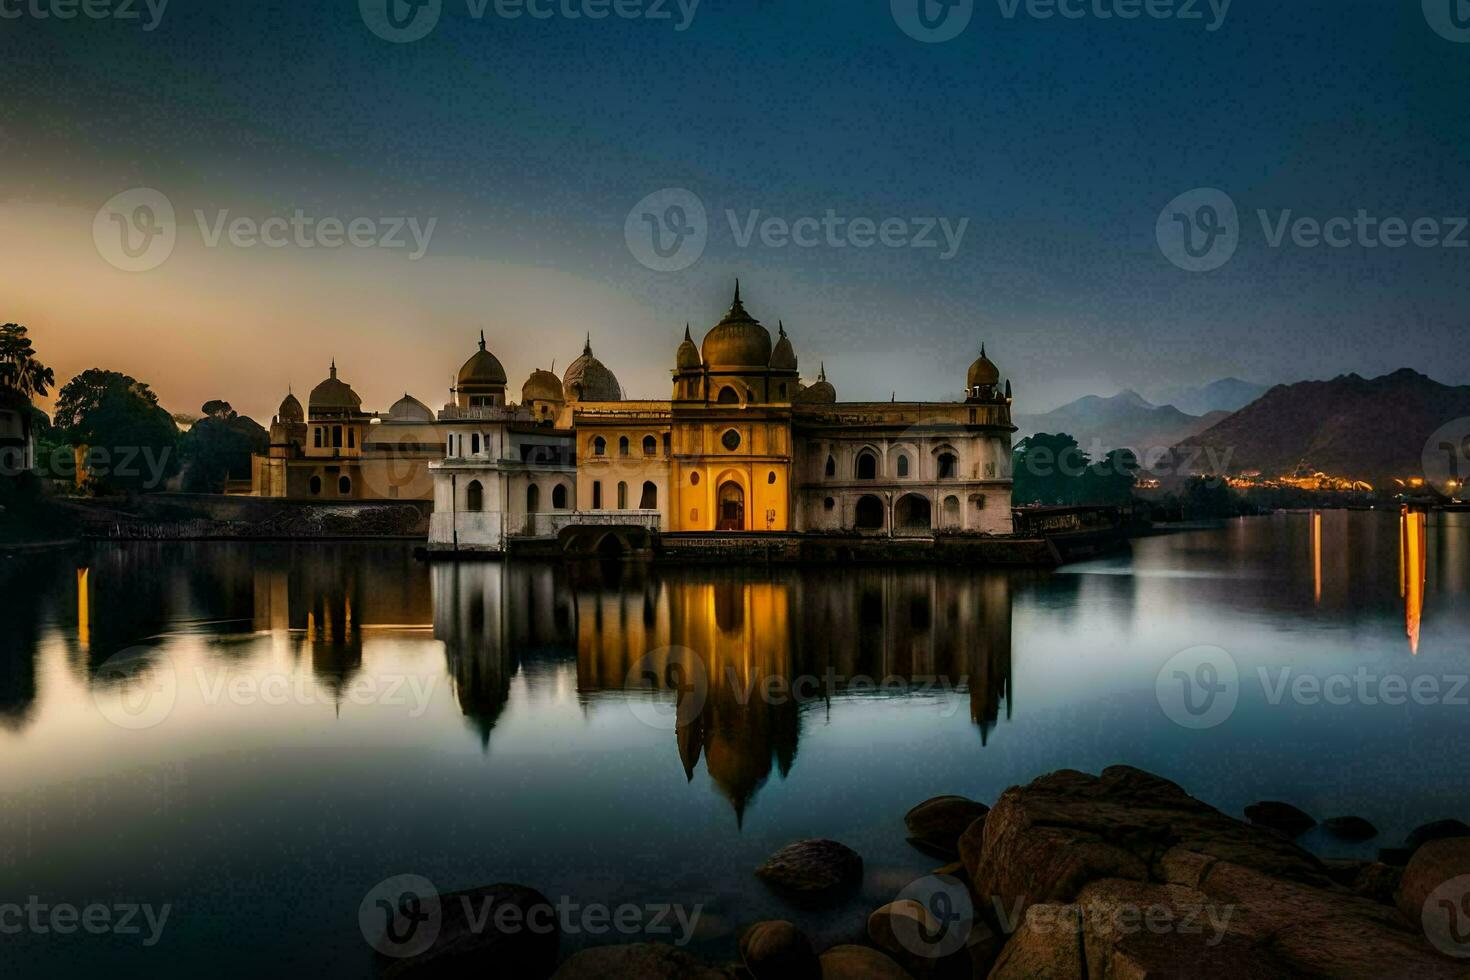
{"x":20,"y":373}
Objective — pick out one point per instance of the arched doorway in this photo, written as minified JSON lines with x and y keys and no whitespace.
{"x":731,"y":507}
{"x":649,"y":500}
{"x":533,"y":499}
{"x":474,"y":497}
{"x":912,"y":513}
{"x":952,"y":512}
{"x":868,"y":516}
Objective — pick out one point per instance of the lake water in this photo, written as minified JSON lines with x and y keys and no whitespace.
{"x":258,"y":734}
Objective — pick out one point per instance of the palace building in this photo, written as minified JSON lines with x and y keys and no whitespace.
{"x":742,"y":445}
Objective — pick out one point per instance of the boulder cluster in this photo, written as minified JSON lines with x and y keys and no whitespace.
{"x":1073,"y":876}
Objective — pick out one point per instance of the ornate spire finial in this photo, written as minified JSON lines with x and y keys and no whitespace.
{"x":737,"y":289}
{"x":334,"y":367}
{"x":781,"y":327}
{"x":822,"y":374}
{"x":982,"y":348}
{"x":482,"y":340}
{"x":587,"y":347}
{"x":553,"y":365}
{"x":686,"y":333}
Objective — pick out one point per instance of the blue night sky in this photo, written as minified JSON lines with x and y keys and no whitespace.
{"x":1059,"y":141}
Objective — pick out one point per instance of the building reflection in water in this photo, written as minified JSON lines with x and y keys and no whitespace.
{"x":806,"y":637}
{"x":803,"y":637}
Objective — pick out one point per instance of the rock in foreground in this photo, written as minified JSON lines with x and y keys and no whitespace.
{"x":478,"y":936}
{"x":860,"y":963}
{"x":935,"y":825}
{"x":813,"y":871}
{"x":777,"y":950}
{"x":1283,"y":817}
{"x":636,"y":961}
{"x":1126,"y":875}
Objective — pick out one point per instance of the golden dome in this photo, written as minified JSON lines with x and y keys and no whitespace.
{"x":482,"y":369}
{"x":688,"y":357}
{"x":588,"y":380}
{"x":737,"y":341}
{"x":820,"y":392}
{"x":783,"y":358}
{"x":984,"y":371}
{"x":290,"y":410}
{"x":541,"y":386}
{"x":333,"y":397}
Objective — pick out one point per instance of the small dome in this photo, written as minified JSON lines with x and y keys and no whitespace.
{"x":541,"y":386}
{"x":820,"y":392}
{"x":290,"y":410}
{"x":333,"y":397}
{"x":738,"y":340}
{"x":482,"y":369}
{"x":783,"y":358}
{"x":984,"y":371}
{"x":410,"y":409}
{"x":688,"y":357}
{"x":588,"y":380}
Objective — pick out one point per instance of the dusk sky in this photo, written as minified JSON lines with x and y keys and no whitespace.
{"x":1054,"y":143}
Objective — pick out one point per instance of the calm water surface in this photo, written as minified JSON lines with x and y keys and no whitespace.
{"x":294,"y":723}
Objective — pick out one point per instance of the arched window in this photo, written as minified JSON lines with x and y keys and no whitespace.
{"x":533,"y":499}
{"x":316,"y":486}
{"x":650,"y":496}
{"x":559,"y":497}
{"x":650,"y":446}
{"x":947,"y":466}
{"x":666,"y":443}
{"x":599,"y":446}
{"x":597,"y":495}
{"x":475,"y":444}
{"x":344,"y":486}
{"x":622,"y":495}
{"x":728,"y":396}
{"x":831,"y":466}
{"x":867,"y":466}
{"x":474,"y":497}
{"x":316,"y":437}
{"x":623,"y":446}
{"x":903,"y":464}
{"x":351,"y":438}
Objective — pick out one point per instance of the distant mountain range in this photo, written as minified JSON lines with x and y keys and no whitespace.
{"x":1126,"y":420}
{"x":1353,"y":427}
{"x":1225,"y":395}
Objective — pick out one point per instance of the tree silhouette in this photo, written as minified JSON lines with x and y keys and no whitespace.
{"x":20,"y":373}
